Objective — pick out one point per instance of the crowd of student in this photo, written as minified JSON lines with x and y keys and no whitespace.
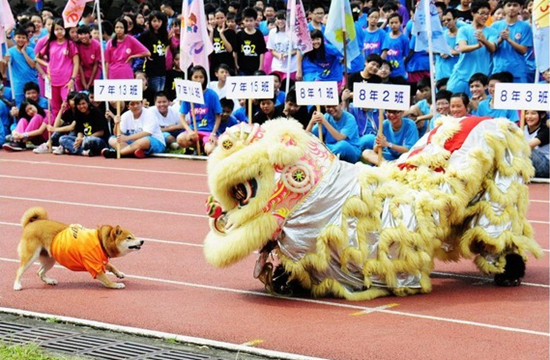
{"x":491,"y":42}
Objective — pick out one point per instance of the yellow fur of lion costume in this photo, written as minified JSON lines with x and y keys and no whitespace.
{"x":358,"y":232}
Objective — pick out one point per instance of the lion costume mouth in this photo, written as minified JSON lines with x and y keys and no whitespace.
{"x":244,"y":192}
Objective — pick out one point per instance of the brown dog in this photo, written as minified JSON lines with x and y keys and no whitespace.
{"x":72,"y":246}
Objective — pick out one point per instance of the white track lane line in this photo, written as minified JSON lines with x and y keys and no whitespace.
{"x":147,"y":188}
{"x":103,"y":206}
{"x":109,"y":168}
{"x":330,"y":304}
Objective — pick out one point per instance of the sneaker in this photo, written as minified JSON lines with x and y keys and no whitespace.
{"x":14,"y":146}
{"x":174,"y":146}
{"x":140,"y":154}
{"x":59,"y":150}
{"x":86,"y":153}
{"x":108,"y":153}
{"x":9,"y":138}
{"x":42,"y":149}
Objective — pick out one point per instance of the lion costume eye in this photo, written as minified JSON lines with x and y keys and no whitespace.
{"x":243,"y":192}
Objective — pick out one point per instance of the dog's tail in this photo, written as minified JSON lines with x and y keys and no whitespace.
{"x":33,"y":214}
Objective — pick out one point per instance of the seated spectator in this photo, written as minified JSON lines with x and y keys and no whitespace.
{"x":268,"y":111}
{"x":32,"y":92}
{"x":5,"y":117}
{"x":291,"y":109}
{"x":478,"y":88}
{"x":366,"y":119}
{"x":459,"y":105}
{"x":486,"y":107}
{"x":442,"y":106}
{"x":207,"y":116}
{"x":339,"y":130}
{"x":31,"y":126}
{"x":399,"y":134}
{"x":369,"y":74}
{"x":168,"y":118}
{"x":222,"y":72}
{"x":90,"y":130}
{"x":421,"y":112}
{"x":384,"y":72}
{"x":279,"y":94}
{"x":227,"y":120}
{"x":536,"y":133}
{"x":240,"y":112}
{"x":148,"y":92}
{"x":171,"y":76}
{"x":64,"y":124}
{"x":441,"y":84}
{"x":140,"y":134}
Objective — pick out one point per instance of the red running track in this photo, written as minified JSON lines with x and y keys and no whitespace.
{"x":171,"y":288}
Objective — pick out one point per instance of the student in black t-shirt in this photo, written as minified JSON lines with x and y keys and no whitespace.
{"x":268,"y":111}
{"x":224,"y":42}
{"x":155,"y":39}
{"x":249,"y":55}
{"x":291,"y":109}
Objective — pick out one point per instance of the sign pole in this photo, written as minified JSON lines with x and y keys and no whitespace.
{"x":196,"y":129}
{"x":250,"y":111}
{"x":117,"y":130}
{"x":318,"y":107}
{"x":380,"y":133}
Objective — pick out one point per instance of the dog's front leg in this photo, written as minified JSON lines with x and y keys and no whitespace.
{"x":108,"y":283}
{"x":115,"y":271}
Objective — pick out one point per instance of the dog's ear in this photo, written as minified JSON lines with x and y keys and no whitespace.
{"x":118,"y":231}
{"x":108,"y":236}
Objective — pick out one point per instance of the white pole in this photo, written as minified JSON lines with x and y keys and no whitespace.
{"x":291,"y":31}
{"x":427,"y":14}
{"x":102,"y":51}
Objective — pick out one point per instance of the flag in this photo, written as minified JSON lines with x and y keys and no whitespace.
{"x":73,"y":12}
{"x":39,"y":5}
{"x":421,"y":28}
{"x":339,"y":20}
{"x":195,"y":44}
{"x":7,"y":22}
{"x":299,"y":32}
{"x":540,"y":34}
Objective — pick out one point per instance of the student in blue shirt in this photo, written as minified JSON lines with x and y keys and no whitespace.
{"x":399,"y":134}
{"x":515,"y":40}
{"x":396,"y":47}
{"x":227,"y":120}
{"x":486,"y":107}
{"x":316,"y":23}
{"x":444,"y":63}
{"x":374,"y":37}
{"x":207,"y":115}
{"x":476,"y":43}
{"x":339,"y":132}
{"x":23,"y":65}
{"x":323,"y":62}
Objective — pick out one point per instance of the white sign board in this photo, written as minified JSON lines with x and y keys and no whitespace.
{"x":118,"y":90}
{"x":521,"y":96}
{"x":250,"y":87}
{"x":47,"y":88}
{"x":190,"y":91}
{"x":316,"y":93}
{"x":381,"y":96}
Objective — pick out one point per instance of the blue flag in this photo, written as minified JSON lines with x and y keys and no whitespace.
{"x":340,"y":19}
{"x":426,"y":11}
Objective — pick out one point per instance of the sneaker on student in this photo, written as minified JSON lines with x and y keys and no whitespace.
{"x":60,"y":150}
{"x":14,"y":146}
{"x":86,"y":153}
{"x":139,"y":153}
{"x":108,"y":153}
{"x":42,"y":149}
{"x":9,"y":138}
{"x":174,"y":146}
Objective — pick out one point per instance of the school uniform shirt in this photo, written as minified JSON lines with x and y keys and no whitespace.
{"x":484,"y":109}
{"x":89,"y":55}
{"x":508,"y":59}
{"x":280,"y":42}
{"x":477,"y":61}
{"x":328,"y":68}
{"x":249,"y":48}
{"x":146,"y":122}
{"x":407,"y":136}
{"x":397,"y":50}
{"x":158,"y":48}
{"x":172,"y":116}
{"x":542,"y":134}
{"x":205,"y":114}
{"x":373,"y":42}
{"x":419,"y":60}
{"x":444,"y":67}
{"x":79,"y":249}
{"x":117,"y":57}
{"x":224,"y":125}
{"x":22,"y":73}
{"x":346,"y":125}
{"x":60,"y":58}
{"x":220,"y":55}
{"x":91,"y":123}
{"x":260,"y":117}
{"x":170,"y":83}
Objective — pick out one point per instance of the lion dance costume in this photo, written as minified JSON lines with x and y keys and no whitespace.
{"x":359,"y":232}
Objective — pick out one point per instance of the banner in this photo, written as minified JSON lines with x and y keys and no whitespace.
{"x":540,"y":34}
{"x":339,"y":20}
{"x":299,"y":32}
{"x":195,"y":44}
{"x":73,"y":12}
{"x":420,"y":28}
{"x":7,"y":22}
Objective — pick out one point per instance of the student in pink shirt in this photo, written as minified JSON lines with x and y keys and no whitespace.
{"x":31,"y":126}
{"x":62,"y":54}
{"x":89,"y":51}
{"x":120,"y":52}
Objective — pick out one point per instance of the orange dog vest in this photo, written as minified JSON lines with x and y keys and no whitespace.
{"x":79,"y":249}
